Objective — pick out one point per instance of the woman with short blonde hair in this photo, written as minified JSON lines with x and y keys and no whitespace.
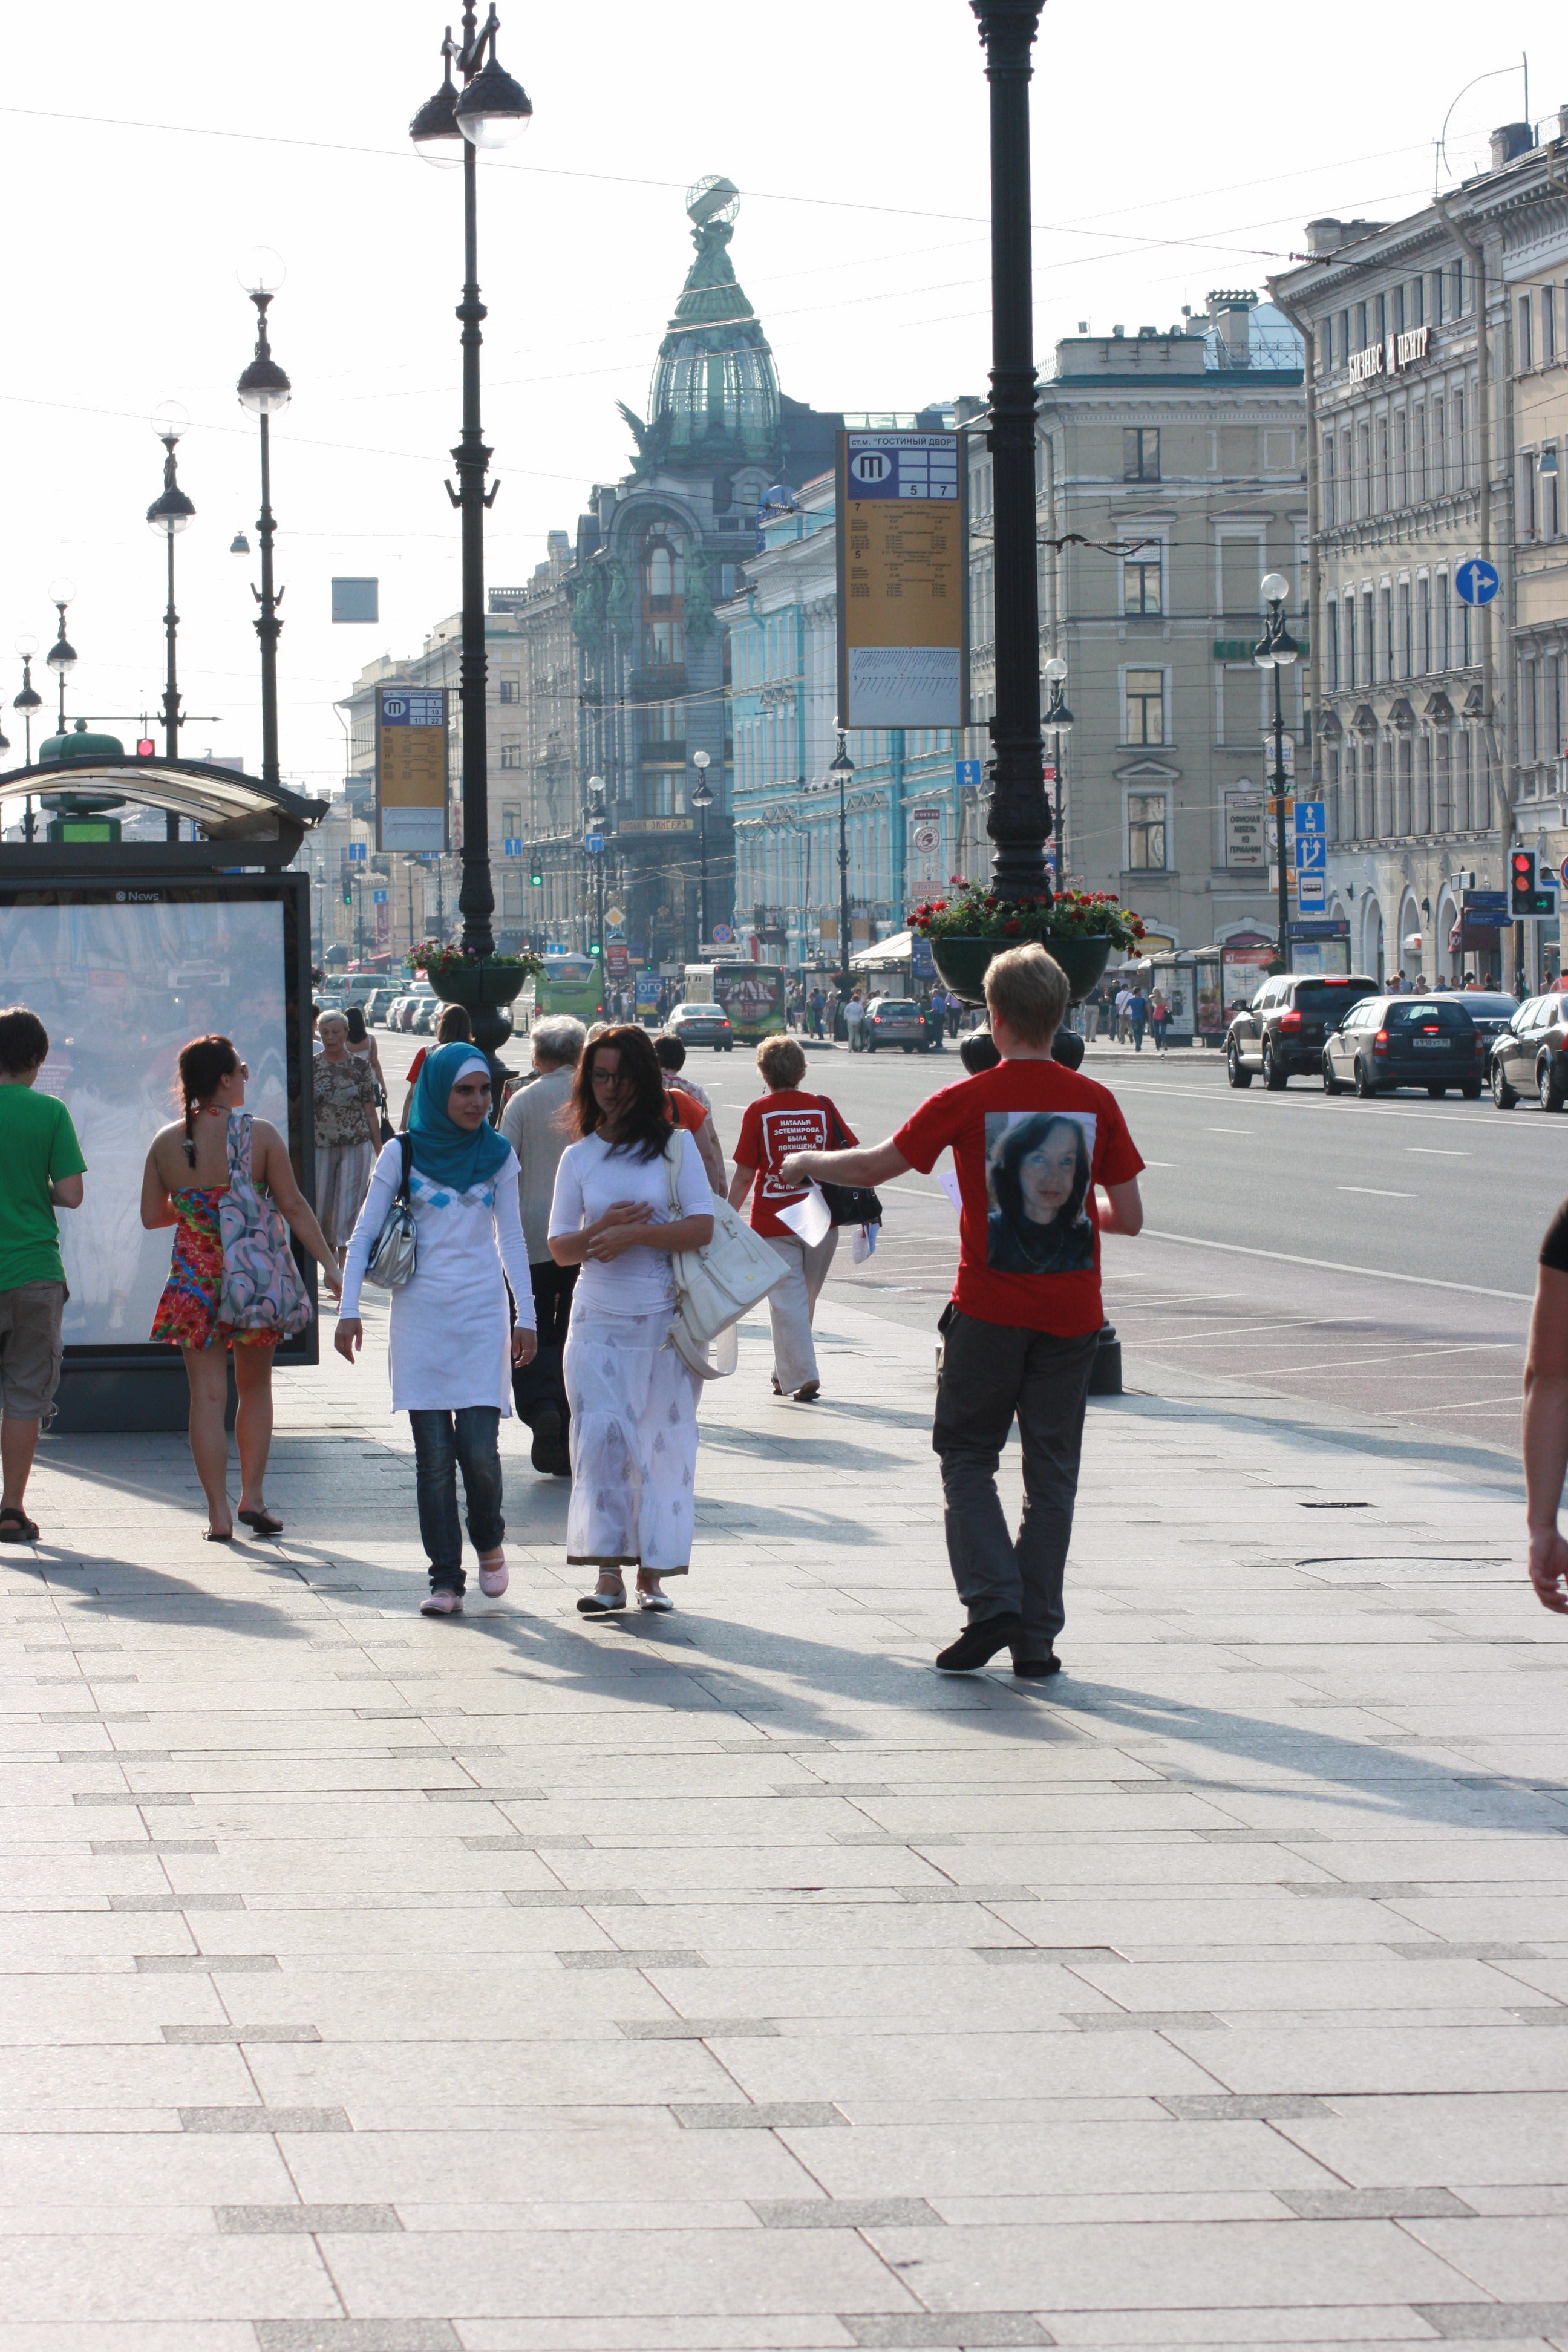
{"x":788,"y":1120}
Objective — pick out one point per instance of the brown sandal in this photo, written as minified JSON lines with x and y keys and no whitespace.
{"x":15,"y":1526}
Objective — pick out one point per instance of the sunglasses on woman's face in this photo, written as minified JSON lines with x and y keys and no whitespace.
{"x":609,"y":1078}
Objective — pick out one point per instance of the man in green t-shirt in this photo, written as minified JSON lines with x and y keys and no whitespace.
{"x":40,"y":1170}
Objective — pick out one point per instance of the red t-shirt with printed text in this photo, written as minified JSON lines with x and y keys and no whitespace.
{"x":1029,"y":1141}
{"x":787,"y":1120}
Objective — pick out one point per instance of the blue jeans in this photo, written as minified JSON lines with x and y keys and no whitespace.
{"x":442,"y":1440}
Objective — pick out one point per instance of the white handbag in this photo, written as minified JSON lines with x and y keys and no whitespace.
{"x":716,"y":1285}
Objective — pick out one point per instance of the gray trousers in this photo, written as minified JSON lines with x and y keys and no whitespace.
{"x":992,"y":1372}
{"x":793,"y":1303}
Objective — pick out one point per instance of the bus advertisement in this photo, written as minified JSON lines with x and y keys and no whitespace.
{"x":569,"y":983}
{"x":750,"y":995}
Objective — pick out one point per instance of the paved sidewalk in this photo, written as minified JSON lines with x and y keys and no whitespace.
{"x":734,"y":1981}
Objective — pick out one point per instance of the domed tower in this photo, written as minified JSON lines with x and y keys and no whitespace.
{"x":715,"y":393}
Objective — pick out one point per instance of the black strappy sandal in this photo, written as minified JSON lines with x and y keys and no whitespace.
{"x":262,"y":1522}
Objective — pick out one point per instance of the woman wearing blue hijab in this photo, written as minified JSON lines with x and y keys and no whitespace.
{"x":448,"y":1348}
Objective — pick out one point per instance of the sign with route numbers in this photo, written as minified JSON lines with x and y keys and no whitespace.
{"x":903,"y":599}
{"x":411,"y":769}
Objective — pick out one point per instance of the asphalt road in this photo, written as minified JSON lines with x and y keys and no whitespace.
{"x":1375,"y":1259}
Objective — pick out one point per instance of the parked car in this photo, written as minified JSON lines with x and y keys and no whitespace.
{"x":400,"y":1014}
{"x":376,"y":1005}
{"x":1527,"y":1057}
{"x":897,"y":1021}
{"x":1387,"y":1042}
{"x":425,"y":1014}
{"x":701,"y":1025}
{"x":1280,"y":1033}
{"x":1491,"y":1010}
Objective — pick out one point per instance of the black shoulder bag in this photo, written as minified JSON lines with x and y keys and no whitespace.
{"x":850,"y":1204}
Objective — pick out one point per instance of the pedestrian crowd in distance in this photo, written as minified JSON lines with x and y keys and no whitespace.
{"x":530,"y":1263}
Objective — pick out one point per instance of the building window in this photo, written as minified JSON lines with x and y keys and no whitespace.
{"x":1140,"y":453}
{"x":1417,"y":302}
{"x":1399,"y":310}
{"x":665,"y":571}
{"x":1332,"y":620}
{"x":1401,"y":458}
{"x":1380,"y":316}
{"x":663,"y":791}
{"x":1424,"y":624}
{"x":1345,"y":335}
{"x":1146,"y":832}
{"x":1548,"y":327}
{"x":1527,"y":495}
{"x":1349,"y":609}
{"x":1460,"y":466}
{"x":1442,"y":617}
{"x":1328,"y":342}
{"x":1439,"y":449}
{"x":1385,"y":635}
{"x":1526,"y":340}
{"x":1361,"y":326}
{"x":511,"y":690}
{"x":1145,"y":707}
{"x":511,"y":755}
{"x":1460,"y":287}
{"x":1141,"y":586}
{"x":1380,"y":498}
{"x":664,"y":644}
{"x":663,"y":722}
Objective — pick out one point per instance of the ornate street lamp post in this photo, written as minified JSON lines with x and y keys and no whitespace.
{"x":1059,"y":720}
{"x":1019,"y":823}
{"x":169,"y":514}
{"x":30,"y":703}
{"x":61,"y":655}
{"x":842,"y":766}
{"x":265,"y":390}
{"x":701,"y":800}
{"x":1277,"y":649}
{"x":490,"y":109}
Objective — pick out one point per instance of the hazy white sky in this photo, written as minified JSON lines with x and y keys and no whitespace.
{"x":145,"y":149}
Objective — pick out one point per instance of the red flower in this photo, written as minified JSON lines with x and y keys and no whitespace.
{"x":1009,"y":926}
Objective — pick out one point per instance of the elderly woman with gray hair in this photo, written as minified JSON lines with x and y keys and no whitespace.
{"x":348,"y":1131}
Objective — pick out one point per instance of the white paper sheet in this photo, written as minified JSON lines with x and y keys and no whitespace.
{"x":948,"y":1178}
{"x":808,"y":1218}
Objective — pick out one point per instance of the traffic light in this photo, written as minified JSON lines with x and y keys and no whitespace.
{"x":348,"y":892}
{"x":536,"y":879}
{"x":1526,"y":895}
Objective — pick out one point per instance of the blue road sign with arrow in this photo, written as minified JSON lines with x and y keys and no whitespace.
{"x":1476,"y":582}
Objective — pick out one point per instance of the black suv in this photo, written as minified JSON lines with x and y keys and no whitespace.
{"x":1281,"y":1032}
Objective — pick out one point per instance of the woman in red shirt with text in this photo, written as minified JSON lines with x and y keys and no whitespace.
{"x":785,"y":1121}
{"x":1031,"y":1141}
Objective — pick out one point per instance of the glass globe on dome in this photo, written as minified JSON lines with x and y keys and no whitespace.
{"x":170,"y":421}
{"x":1275,"y":587}
{"x":494,"y":108}
{"x":260,"y":269}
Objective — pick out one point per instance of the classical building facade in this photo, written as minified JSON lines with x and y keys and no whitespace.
{"x":1439,"y":412}
{"x":657,"y":553}
{"x":1172,"y":475}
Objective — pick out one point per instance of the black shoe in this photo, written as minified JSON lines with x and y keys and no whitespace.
{"x":1035,"y":1670}
{"x":978,"y":1645}
{"x":549,"y":1452}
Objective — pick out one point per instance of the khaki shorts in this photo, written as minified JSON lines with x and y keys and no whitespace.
{"x":30,"y":1348}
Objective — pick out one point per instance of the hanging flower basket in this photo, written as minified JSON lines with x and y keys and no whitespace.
{"x":1081,"y":928}
{"x":461,"y":978}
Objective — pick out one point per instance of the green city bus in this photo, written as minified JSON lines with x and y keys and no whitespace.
{"x":569,"y":983}
{"x":750,"y":995}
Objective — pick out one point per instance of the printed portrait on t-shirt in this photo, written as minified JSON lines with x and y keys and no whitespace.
{"x":1038,"y":1169}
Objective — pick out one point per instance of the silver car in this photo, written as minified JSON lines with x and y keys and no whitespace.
{"x":895,"y":1021}
{"x":701,"y":1025}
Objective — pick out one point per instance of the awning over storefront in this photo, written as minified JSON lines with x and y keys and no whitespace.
{"x":885,"y":955}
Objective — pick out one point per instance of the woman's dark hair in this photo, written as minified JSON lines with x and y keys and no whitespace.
{"x":23,"y":1041}
{"x":453,"y":1026}
{"x":1024,"y":1136}
{"x":205,"y":1064}
{"x":354,"y":1016}
{"x":644,"y":1121}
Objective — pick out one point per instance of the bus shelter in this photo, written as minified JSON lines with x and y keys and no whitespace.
{"x":125,"y":950}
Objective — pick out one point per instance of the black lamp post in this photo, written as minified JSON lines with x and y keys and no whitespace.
{"x":701,"y":800}
{"x":491,"y":109}
{"x":1059,"y":720}
{"x":30,"y":703}
{"x":61,"y":655}
{"x":1276,"y":649}
{"x":1020,"y":821}
{"x":596,"y":828}
{"x":842,"y":766}
{"x":264,"y":389}
{"x":169,"y":514}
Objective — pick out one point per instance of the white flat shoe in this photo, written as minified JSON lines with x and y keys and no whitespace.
{"x":602,"y":1604}
{"x":657,"y":1604}
{"x":442,"y":1603}
{"x":492,"y":1578}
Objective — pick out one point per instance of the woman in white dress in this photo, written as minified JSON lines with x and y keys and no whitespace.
{"x":449,"y":1352}
{"x":634,"y":1403}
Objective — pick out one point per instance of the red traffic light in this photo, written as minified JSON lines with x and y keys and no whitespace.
{"x":145,"y":748}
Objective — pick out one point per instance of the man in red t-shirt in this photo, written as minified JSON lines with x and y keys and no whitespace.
{"x":1030,"y":1142}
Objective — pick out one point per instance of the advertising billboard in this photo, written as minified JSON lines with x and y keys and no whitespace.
{"x":903,"y":601}
{"x":411,"y":769}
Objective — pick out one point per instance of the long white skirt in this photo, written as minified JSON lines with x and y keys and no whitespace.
{"x":633,"y":1443}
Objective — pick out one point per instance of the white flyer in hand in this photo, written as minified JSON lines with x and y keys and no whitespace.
{"x":808,"y":1218}
{"x":948,"y":1178}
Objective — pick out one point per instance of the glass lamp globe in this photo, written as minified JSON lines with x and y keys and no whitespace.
{"x":27,"y":644}
{"x":1055,"y":671}
{"x":62,"y":591}
{"x":494,"y":108}
{"x":262,"y":270}
{"x":1275,"y":587}
{"x":434,"y":129}
{"x":170,"y":421}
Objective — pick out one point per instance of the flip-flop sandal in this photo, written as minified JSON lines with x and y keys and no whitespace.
{"x":15,"y":1526}
{"x":262,"y":1521}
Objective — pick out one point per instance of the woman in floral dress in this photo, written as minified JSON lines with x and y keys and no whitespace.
{"x":225,"y":1181}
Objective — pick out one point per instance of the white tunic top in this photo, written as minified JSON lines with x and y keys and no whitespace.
{"x":592,"y":1177}
{"x":450,"y":1339}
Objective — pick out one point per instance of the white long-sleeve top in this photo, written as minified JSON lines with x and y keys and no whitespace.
{"x":449,"y":1343}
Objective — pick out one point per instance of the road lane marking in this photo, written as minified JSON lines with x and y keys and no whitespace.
{"x":1336,"y":1266}
{"x":1375,"y":1191}
{"x":1435,"y":1151}
{"x":1230,"y":1131}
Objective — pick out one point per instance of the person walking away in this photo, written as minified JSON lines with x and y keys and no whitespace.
{"x":633,"y":1399}
{"x":934,"y":1024}
{"x":535,"y":1124}
{"x":1090,"y":1011}
{"x":453,"y":1028}
{"x":225,"y":1182}
{"x":348,"y":1131}
{"x":1031,"y":1140}
{"x":451,"y":1331}
{"x":1137,"y":1015}
{"x":1546,"y":1419}
{"x":692,"y":1107}
{"x":1119,"y":1027}
{"x":854,"y":1022}
{"x":41,"y":1170}
{"x":363,"y":1046}
{"x":818,"y":1006}
{"x":787,"y":1119}
{"x":1159,"y":1018}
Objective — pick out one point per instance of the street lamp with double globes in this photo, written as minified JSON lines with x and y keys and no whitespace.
{"x":702,"y":801}
{"x":490,"y":109}
{"x":265,"y":390}
{"x":169,"y":513}
{"x":595,"y":828}
{"x":1057,"y":718}
{"x":1276,"y":649}
{"x":61,"y":655}
{"x":842,"y":767}
{"x":30,"y":703}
